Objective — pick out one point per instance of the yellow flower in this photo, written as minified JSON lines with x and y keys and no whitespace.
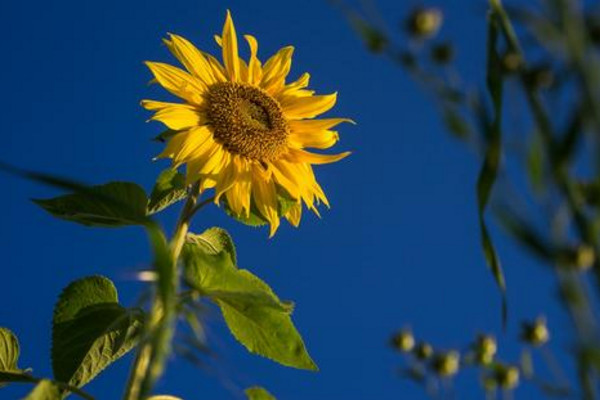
{"x":242,"y":129}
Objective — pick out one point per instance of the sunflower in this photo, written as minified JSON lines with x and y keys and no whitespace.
{"x":243,"y":129}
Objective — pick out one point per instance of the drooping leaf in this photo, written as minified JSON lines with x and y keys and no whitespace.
{"x":535,"y":163}
{"x":491,"y":162}
{"x":169,"y":189}
{"x":45,"y":390}
{"x":110,"y":205}
{"x":256,"y":317}
{"x":258,"y":393}
{"x":91,"y":330}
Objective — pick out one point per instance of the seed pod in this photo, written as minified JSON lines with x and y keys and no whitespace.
{"x":485,"y":348}
{"x":423,"y":23}
{"x":446,"y":364}
{"x":403,"y":341}
{"x":507,"y":377}
{"x":423,"y":351}
{"x":535,"y":333}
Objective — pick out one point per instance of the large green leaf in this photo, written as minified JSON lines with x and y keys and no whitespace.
{"x":256,"y":317}
{"x":169,"y":189}
{"x":110,"y":205}
{"x":45,"y":390}
{"x":258,"y":393}
{"x":91,"y":330}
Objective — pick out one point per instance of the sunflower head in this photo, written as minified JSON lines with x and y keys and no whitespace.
{"x":242,"y":129}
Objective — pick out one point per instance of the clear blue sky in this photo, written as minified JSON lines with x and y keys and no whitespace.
{"x":400,"y":245}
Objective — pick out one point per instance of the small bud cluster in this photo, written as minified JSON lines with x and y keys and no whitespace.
{"x":428,"y":364}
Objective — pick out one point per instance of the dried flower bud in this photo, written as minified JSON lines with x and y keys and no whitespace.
{"x":442,"y":53}
{"x":423,"y":351}
{"x":507,"y":377}
{"x":511,"y":62}
{"x":585,"y":257}
{"x":536,"y":333}
{"x":540,"y":77}
{"x":485,"y":349}
{"x":446,"y":364}
{"x":403,"y":341}
{"x":424,"y":22}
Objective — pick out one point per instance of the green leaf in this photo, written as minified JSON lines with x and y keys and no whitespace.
{"x":111,"y":205}
{"x":9,"y":357}
{"x":256,"y":317}
{"x":169,"y":189}
{"x":258,"y":393}
{"x":9,"y":351}
{"x":45,"y":390}
{"x":165,"y":135}
{"x":91,"y":330}
{"x":491,"y":162}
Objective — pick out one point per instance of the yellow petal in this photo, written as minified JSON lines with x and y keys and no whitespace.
{"x":294,"y":214}
{"x":238,"y":197}
{"x":216,"y":67}
{"x":178,"y":82}
{"x":265,"y":198}
{"x":201,"y":158}
{"x":297,"y":176}
{"x":276,"y":69}
{"x":290,"y":185}
{"x":301,"y":156}
{"x":181,"y":146}
{"x":227,"y":178}
{"x":191,"y":58}
{"x":307,"y":106}
{"x":179,"y":116}
{"x":254,"y":66}
{"x":314,"y":139}
{"x":154,"y":105}
{"x":230,"y":49}
{"x":294,"y":88}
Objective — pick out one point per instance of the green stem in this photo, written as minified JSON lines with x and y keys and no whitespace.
{"x":150,"y":360}
{"x":26,"y":378}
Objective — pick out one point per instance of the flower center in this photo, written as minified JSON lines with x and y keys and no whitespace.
{"x":247,"y":121}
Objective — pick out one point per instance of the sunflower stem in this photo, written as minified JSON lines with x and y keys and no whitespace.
{"x":149,"y":362}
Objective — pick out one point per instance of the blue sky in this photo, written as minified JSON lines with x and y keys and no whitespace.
{"x":399,"y":247}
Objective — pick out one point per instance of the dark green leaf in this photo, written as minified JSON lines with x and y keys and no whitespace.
{"x":111,"y":205}
{"x":166,"y":135}
{"x":489,"y":170}
{"x":91,"y":330}
{"x":45,"y":390}
{"x":169,"y":189}
{"x":255,"y":315}
{"x":258,"y":393}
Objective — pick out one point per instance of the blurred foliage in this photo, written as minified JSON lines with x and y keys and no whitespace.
{"x":546,"y":56}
